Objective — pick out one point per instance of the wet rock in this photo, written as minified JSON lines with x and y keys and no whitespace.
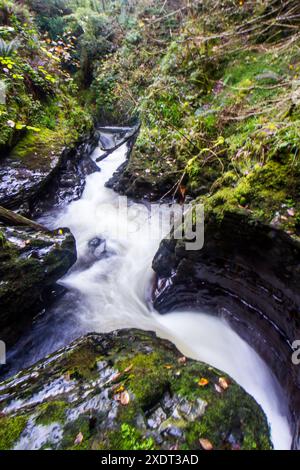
{"x":70,"y":400}
{"x":31,"y":261}
{"x":68,"y":182}
{"x":97,"y":247}
{"x":35,"y":177}
{"x":249,"y":273}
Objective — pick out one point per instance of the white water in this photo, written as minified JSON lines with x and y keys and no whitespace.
{"x":112,"y":293}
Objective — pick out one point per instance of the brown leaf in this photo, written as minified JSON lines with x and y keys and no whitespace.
{"x":182,"y":360}
{"x":115,"y":377}
{"x":206,"y":444}
{"x":79,"y":439}
{"x":128,"y":369}
{"x":124,"y":398}
{"x":223,"y":383}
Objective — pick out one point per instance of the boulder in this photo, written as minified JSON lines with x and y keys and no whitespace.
{"x":38,"y":174}
{"x":32,"y":259}
{"x":127,"y":390}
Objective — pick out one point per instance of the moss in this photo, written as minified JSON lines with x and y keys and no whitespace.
{"x":11,"y":429}
{"x":82,"y":363}
{"x":51,"y":412}
{"x":71,"y":431}
{"x":148,"y":378}
{"x":129,"y":438}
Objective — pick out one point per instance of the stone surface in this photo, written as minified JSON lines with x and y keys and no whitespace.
{"x":127,"y":390}
{"x":31,"y":262}
{"x":249,"y":273}
{"x":38,"y":176}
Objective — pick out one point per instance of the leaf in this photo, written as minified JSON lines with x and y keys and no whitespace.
{"x":182,"y":191}
{"x":124,"y":398}
{"x":182,"y":360}
{"x":79,"y":439}
{"x":203,"y":382}
{"x":34,"y":129}
{"x":20,"y":126}
{"x":218,"y":388}
{"x":206,"y":444}
{"x":223,"y":383}
{"x":128,"y":369}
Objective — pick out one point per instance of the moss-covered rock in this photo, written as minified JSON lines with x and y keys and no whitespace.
{"x":31,"y":261}
{"x":127,"y":390}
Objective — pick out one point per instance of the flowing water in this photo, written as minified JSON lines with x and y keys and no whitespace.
{"x":109,"y":288}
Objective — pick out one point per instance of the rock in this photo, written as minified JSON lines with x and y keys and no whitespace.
{"x":68,"y":183}
{"x":36,"y":174}
{"x":249,"y":273}
{"x":269,"y":75}
{"x":31,"y":261}
{"x":72,"y":393}
{"x":97,"y":247}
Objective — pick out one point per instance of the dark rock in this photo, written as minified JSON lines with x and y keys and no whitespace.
{"x":68,"y":182}
{"x":249,"y":273}
{"x":35,"y":177}
{"x":31,"y":262}
{"x":79,"y":390}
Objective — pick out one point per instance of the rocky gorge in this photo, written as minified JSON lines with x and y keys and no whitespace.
{"x":103,"y":351}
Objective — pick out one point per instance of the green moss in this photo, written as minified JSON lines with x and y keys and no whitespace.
{"x":148,"y":378}
{"x":11,"y":429}
{"x":129,"y":438}
{"x":51,"y":412}
{"x":82,"y":363}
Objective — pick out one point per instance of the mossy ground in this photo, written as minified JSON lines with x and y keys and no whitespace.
{"x":223,"y":113}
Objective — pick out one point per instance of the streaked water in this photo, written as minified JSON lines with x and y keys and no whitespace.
{"x":111,"y":291}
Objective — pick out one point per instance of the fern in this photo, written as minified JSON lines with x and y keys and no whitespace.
{"x":8,"y":48}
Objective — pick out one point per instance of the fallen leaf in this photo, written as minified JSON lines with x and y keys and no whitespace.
{"x":291,"y":212}
{"x":182,"y":191}
{"x":218,"y":389}
{"x":223,"y":383}
{"x":182,"y":360}
{"x":203,"y":382}
{"x":78,"y":439}
{"x":124,"y":398}
{"x":115,"y":377}
{"x":206,"y":444}
{"x":128,"y":369}
{"x":168,"y":366}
